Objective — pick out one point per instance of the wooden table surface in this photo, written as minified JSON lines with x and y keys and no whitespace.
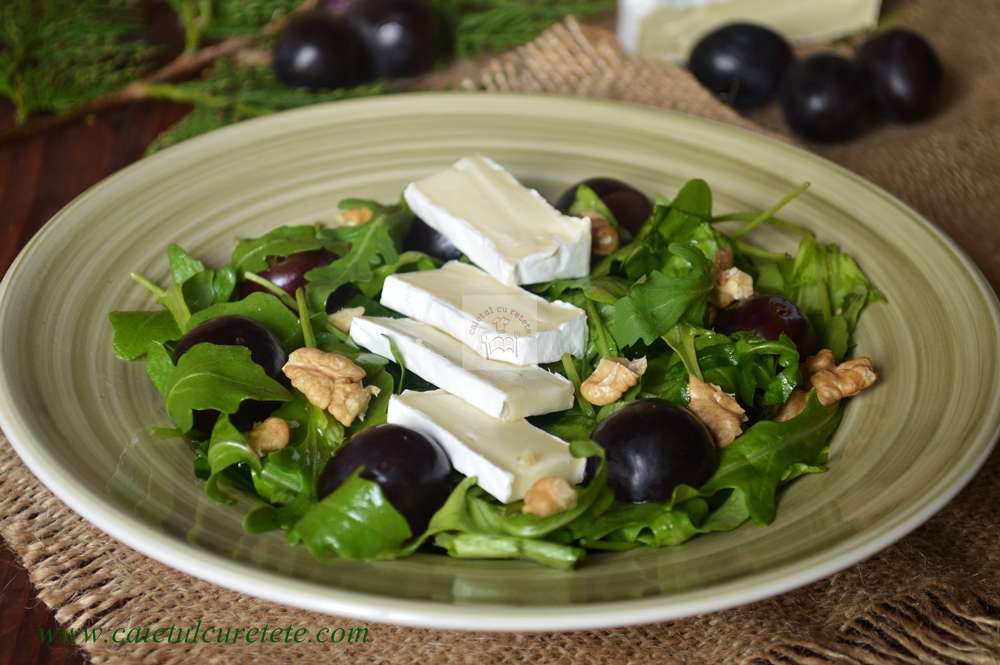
{"x":38,"y":176}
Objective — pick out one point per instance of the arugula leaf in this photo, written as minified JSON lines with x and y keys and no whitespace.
{"x":226,"y":448}
{"x":662,"y":522}
{"x":135,"y":331}
{"x":748,"y":363}
{"x":411,"y":261}
{"x":567,"y":425}
{"x":683,"y":221}
{"x":372,"y":244}
{"x":182,"y":266}
{"x":478,"y":546}
{"x":209,"y":376}
{"x":472,"y":525}
{"x":224,"y":284}
{"x":758,"y":462}
{"x":199,"y":291}
{"x":288,"y":476}
{"x":827,"y":285}
{"x":398,"y":357}
{"x":695,"y":199}
{"x":250,"y":255}
{"x":263,"y":308}
{"x":356,"y":521}
{"x":655,"y":305}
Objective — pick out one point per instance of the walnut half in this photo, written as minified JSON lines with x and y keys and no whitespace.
{"x":832,"y":382}
{"x":718,"y":411}
{"x":835,"y":382}
{"x":612,"y":378}
{"x":548,"y":496}
{"x":330,"y":381}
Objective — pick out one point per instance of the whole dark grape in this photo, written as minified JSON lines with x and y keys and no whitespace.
{"x":401,"y":37}
{"x":741,"y":63}
{"x":423,"y":238}
{"x":823,"y":98}
{"x":318,"y":51}
{"x":289,"y":273}
{"x":265,"y":350}
{"x":412,"y":470}
{"x":630,"y":207}
{"x":652,"y":447}
{"x":768,"y":316}
{"x":903,"y":74}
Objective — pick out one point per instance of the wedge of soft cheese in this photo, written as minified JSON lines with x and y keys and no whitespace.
{"x":670,"y":28}
{"x":496,"y":321}
{"x":508,"y":230}
{"x":507,"y":457}
{"x":495,"y":388}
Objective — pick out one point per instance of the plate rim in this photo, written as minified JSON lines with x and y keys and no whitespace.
{"x":204,"y":565}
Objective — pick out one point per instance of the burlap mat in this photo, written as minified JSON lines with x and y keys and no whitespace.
{"x":932,"y":598}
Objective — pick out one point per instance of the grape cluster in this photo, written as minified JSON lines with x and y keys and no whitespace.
{"x":345,"y":43}
{"x":824,"y":97}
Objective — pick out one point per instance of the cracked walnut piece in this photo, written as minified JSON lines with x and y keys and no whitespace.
{"x":268,"y":436}
{"x":330,"y":381}
{"x":605,"y":236}
{"x":612,"y":378}
{"x":716,"y":410}
{"x":548,"y":496}
{"x":832,"y":382}
{"x":728,"y":283}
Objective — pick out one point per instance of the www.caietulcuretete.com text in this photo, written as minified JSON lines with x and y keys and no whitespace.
{"x":198,"y":633}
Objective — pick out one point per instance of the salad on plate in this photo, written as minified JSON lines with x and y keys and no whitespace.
{"x":475,"y":372}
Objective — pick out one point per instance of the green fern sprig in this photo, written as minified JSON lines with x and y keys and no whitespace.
{"x":481,"y":26}
{"x":61,"y":53}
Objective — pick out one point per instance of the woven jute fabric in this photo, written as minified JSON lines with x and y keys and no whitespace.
{"x":934,"y":597}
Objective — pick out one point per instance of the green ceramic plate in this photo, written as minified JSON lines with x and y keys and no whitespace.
{"x":78,"y":416}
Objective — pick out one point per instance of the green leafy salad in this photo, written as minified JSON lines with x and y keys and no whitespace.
{"x":216,"y":347}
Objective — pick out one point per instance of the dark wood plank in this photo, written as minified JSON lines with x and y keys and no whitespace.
{"x":38,"y":176}
{"x":22,"y":618}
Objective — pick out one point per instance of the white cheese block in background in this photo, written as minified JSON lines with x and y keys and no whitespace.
{"x":508,"y":230}
{"x":493,"y":387}
{"x":506,"y":457}
{"x":671,"y":28}
{"x":496,"y":321}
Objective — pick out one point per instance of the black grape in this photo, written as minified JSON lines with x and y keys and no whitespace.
{"x":653,"y":446}
{"x":318,"y":51}
{"x":823,"y":98}
{"x":412,"y":470}
{"x":741,"y":63}
{"x":400,"y":37}
{"x":903,"y":74}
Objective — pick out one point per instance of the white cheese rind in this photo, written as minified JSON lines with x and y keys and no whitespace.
{"x":495,"y":388}
{"x":453,"y":298}
{"x":485,"y":447}
{"x":508,"y":230}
